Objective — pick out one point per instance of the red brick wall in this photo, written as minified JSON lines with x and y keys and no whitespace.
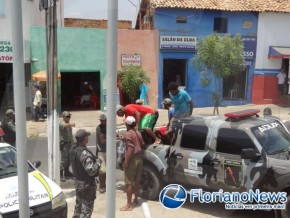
{"x":90,"y":23}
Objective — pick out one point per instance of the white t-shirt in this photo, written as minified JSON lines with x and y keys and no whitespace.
{"x":281,"y":78}
{"x":37,"y":101}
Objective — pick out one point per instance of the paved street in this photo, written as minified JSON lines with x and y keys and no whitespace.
{"x":38,"y":151}
{"x":37,"y":146}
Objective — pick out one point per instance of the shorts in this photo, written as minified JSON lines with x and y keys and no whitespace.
{"x":134,"y":171}
{"x":163,"y":130}
{"x":102,"y":157}
{"x":148,"y":121}
{"x":172,"y":123}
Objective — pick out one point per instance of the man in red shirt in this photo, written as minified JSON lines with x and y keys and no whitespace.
{"x":145,"y":116}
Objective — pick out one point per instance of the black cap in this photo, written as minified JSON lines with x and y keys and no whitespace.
{"x":267,"y":111}
{"x":81,"y":133}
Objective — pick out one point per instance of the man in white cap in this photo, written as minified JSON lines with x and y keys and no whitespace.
{"x":133,"y":163}
{"x":8,"y":126}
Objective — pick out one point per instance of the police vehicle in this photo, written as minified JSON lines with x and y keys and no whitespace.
{"x":46,"y":198}
{"x":235,"y":152}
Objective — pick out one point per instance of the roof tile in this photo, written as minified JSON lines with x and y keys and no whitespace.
{"x":226,"y":5}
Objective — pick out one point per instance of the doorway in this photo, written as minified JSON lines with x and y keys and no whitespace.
{"x":285,"y":67}
{"x":234,"y":87}
{"x":74,"y":85}
{"x":6,"y":85}
{"x":174,"y":70}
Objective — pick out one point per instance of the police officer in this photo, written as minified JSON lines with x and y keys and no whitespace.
{"x":85,"y":168}
{"x":8,"y":126}
{"x":66,"y":142}
{"x":101,"y":150}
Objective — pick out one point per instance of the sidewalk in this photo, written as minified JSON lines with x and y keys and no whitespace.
{"x":89,"y":120}
{"x":156,"y":209}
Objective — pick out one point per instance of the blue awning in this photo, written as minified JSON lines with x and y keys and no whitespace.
{"x":279,"y":52}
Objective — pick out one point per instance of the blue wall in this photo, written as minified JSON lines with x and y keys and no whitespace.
{"x":199,"y":24}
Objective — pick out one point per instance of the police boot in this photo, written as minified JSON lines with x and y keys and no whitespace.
{"x":67,"y":173}
{"x":62,"y":177}
{"x":102,"y":178}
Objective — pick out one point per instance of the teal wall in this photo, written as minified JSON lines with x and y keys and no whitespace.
{"x":79,"y":50}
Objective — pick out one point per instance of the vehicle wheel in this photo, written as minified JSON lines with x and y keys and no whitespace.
{"x":150,"y":183}
{"x":284,"y":213}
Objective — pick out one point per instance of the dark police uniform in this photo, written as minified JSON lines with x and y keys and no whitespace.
{"x":8,"y":127}
{"x":85,"y":168}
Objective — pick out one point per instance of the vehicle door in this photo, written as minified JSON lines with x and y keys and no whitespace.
{"x":233,"y":172}
{"x":187,"y":158}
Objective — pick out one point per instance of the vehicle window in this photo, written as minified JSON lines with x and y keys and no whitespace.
{"x":232,"y":141}
{"x":194,"y":137}
{"x":8,"y":162}
{"x":273,"y":137}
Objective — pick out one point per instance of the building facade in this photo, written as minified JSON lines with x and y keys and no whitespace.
{"x":179,"y":32}
{"x":31,"y":16}
{"x":82,"y":62}
{"x":273,"y":56}
{"x":181,"y":25}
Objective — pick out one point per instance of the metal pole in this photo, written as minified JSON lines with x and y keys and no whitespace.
{"x":56,"y":152}
{"x":49,"y":40}
{"x":112,"y":36}
{"x":48,"y":91}
{"x":20,"y":106}
{"x":52,"y":71}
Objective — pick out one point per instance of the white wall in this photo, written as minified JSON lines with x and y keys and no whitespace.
{"x":5,"y":23}
{"x":31,"y":16}
{"x":273,"y":30}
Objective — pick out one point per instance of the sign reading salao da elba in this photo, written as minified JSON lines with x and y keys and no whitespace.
{"x":178,"y":43}
{"x":5,"y":51}
{"x":131,"y":59}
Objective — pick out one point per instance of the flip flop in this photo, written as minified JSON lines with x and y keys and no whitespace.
{"x":126,"y":208}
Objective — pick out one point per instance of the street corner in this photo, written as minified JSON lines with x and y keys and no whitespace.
{"x":36,"y":129}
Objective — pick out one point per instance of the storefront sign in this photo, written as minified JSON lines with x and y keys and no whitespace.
{"x":131,"y":59}
{"x":250,"y":44}
{"x":5,"y":51}
{"x":178,"y":43}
